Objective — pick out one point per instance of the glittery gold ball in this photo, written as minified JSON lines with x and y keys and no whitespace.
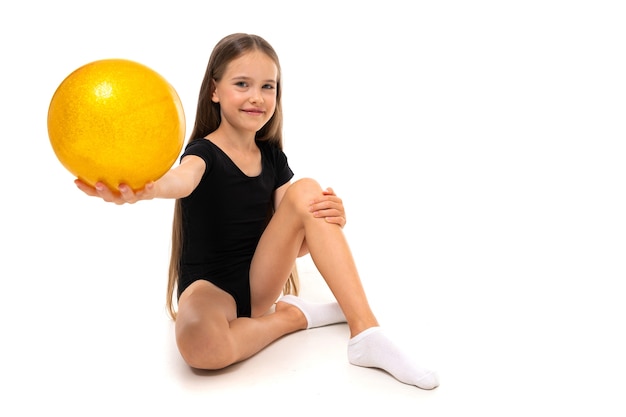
{"x":116,"y":121}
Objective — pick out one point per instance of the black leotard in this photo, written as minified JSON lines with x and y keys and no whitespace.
{"x":224,"y":217}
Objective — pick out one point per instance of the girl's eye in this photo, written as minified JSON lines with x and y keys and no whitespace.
{"x":268,"y":86}
{"x":241,"y":84}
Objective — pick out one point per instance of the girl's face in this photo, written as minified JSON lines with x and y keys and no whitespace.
{"x":247,"y":92}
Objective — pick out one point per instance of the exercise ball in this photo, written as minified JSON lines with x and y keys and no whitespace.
{"x":116,"y":121}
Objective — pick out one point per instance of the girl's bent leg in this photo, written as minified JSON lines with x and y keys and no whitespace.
{"x":276,"y":252}
{"x":210,"y":336}
{"x":292,"y":225}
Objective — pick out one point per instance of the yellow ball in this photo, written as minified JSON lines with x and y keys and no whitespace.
{"x":116,"y":121}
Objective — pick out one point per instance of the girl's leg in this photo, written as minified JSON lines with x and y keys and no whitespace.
{"x":210,"y":336}
{"x":278,"y":248}
{"x":293,"y":225}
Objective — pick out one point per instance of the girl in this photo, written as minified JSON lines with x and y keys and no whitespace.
{"x":240,"y":224}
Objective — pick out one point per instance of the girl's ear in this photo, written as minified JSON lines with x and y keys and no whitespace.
{"x":214,"y":97}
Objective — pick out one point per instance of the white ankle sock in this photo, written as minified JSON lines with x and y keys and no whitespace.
{"x":372,"y":349}
{"x":317,"y":314}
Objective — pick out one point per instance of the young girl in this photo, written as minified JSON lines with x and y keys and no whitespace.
{"x":240,"y":224}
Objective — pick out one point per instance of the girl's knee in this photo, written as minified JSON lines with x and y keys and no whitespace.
{"x":200,"y":350}
{"x":302,"y":191}
{"x":307,"y":185}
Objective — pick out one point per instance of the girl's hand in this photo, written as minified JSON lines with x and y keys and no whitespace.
{"x":125,"y":195}
{"x":330,"y":207}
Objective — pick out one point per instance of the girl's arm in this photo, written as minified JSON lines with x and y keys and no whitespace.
{"x":178,"y":182}
{"x":330,"y":207}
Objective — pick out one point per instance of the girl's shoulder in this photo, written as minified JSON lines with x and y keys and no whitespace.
{"x":200,"y":145}
{"x":269,"y":147}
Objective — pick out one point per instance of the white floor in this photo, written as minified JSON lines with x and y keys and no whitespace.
{"x":103,"y":357}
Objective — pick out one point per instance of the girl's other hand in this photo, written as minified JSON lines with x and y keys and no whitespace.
{"x":330,"y":207}
{"x":125,"y":195}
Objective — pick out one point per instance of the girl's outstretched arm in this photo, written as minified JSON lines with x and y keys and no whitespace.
{"x":178,"y":182}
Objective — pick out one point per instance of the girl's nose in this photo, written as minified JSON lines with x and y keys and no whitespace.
{"x":256,"y":96}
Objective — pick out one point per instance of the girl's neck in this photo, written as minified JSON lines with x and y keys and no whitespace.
{"x":233,"y":140}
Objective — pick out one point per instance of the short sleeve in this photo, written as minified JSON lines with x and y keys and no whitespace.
{"x":279,"y":163}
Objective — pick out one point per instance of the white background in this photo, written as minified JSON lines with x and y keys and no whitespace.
{"x":479,"y":150}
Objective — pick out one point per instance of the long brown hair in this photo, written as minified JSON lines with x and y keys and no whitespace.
{"x":208,"y":119}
